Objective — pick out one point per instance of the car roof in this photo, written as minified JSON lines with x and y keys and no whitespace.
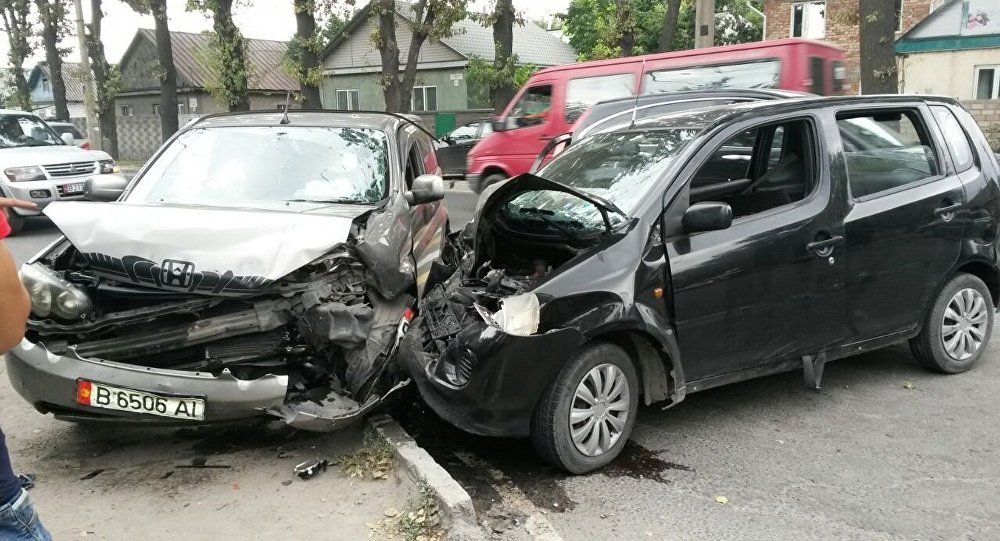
{"x":333,"y":119}
{"x":16,"y":112}
{"x":57,"y":123}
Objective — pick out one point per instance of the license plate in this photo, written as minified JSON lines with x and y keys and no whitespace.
{"x":72,"y":189}
{"x":99,"y":395}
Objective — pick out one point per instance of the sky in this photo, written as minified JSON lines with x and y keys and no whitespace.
{"x":264,"y":19}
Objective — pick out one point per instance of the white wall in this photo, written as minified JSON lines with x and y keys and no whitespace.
{"x":945,"y":73}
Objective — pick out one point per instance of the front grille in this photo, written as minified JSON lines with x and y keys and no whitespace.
{"x":70,"y":169}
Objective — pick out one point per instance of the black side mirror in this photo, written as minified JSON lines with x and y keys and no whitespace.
{"x":425,"y":189}
{"x":707,"y":216}
{"x":104,"y":187}
{"x":505,"y":124}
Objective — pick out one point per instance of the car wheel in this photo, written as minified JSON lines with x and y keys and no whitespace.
{"x":15,"y":221}
{"x":489,"y":180}
{"x":958,"y":327}
{"x":586,"y":415}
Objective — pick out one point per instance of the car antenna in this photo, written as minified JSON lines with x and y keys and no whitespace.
{"x":284,"y":117}
{"x":635,"y":106}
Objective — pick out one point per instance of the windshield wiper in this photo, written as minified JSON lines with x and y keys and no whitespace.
{"x":344,"y":200}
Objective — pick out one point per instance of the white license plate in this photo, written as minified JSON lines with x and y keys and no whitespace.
{"x":99,"y":395}
{"x":73,"y":189}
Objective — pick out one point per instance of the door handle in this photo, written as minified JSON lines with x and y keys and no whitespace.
{"x":825,"y":247}
{"x":735,"y":157}
{"x":947,"y":212}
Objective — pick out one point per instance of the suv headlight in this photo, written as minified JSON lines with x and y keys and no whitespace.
{"x":107,"y":167}
{"x":20,"y":174}
{"x":519,"y":315}
{"x":51,"y":295}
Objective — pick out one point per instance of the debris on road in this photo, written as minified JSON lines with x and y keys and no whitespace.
{"x":311,"y":468}
{"x":26,"y":480}
{"x":722,"y":499}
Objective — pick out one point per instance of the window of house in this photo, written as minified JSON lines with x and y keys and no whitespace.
{"x":424,"y":99}
{"x":532,"y":107}
{"x":987,"y":82}
{"x":809,"y":20}
{"x":584,"y":92}
{"x":349,"y":100}
{"x":156,"y":108}
{"x":127,"y":110}
{"x":181,"y":108}
{"x":760,"y":169}
{"x":885,"y":151}
{"x":46,"y":87}
{"x":958,"y":140}
{"x":762,"y":74}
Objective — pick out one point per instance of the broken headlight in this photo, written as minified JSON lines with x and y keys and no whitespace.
{"x":51,"y":295}
{"x":518,"y":315}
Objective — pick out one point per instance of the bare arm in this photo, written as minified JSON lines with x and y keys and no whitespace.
{"x":14,"y":302}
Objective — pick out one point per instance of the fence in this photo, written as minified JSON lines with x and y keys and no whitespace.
{"x":987,"y":114}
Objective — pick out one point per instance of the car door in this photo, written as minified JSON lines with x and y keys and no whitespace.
{"x":457,"y":145}
{"x":428,"y":221}
{"x":907,"y":215}
{"x":762,"y":290}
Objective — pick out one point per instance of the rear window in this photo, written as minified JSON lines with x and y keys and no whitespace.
{"x":885,"y":151}
{"x":763,"y":74}
{"x":582,"y":93}
{"x":958,"y":141}
{"x":67,"y":129}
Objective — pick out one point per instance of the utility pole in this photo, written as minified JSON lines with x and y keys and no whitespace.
{"x":93,"y":131}
{"x":704,"y":23}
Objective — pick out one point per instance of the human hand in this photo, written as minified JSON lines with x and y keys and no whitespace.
{"x":6,"y":202}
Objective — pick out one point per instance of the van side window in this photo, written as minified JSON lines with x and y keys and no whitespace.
{"x":762,"y":74}
{"x":885,"y":150}
{"x":533,"y":106}
{"x":778,"y":169}
{"x":958,"y":140}
{"x":584,"y":92}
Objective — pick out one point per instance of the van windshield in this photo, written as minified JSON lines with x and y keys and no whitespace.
{"x":762,"y":74}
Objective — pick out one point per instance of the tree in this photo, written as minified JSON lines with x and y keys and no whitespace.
{"x":669,"y":31}
{"x":15,"y":24}
{"x":498,"y":78}
{"x":302,"y":60}
{"x":431,"y":19}
{"x":613,"y":28}
{"x":486,"y":79}
{"x":624,"y":27}
{"x":877,"y":24}
{"x":229,"y":46}
{"x":55,"y":26}
{"x":735,"y":23}
{"x":169,"y":122}
{"x":107,"y":79}
{"x":333,"y":25}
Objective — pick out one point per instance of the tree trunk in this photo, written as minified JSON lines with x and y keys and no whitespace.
{"x":425,"y":14}
{"x":102,"y":75}
{"x":389,"y":50}
{"x":626,"y":27}
{"x":234,"y":57}
{"x":51,"y":17}
{"x":670,"y":25}
{"x":503,"y":40}
{"x":305,"y":32}
{"x":15,"y":24}
{"x":878,"y":47}
{"x":165,"y":55}
{"x":22,"y":96}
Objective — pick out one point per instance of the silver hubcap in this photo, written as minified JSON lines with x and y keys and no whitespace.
{"x":964,"y":327}
{"x":600,"y":410}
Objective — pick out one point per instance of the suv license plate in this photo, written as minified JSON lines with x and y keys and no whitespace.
{"x":72,"y":189}
{"x":99,"y":395}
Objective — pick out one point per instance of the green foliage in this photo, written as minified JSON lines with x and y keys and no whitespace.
{"x":14,"y":15}
{"x":486,"y":78}
{"x":227,"y":53}
{"x":223,"y":84}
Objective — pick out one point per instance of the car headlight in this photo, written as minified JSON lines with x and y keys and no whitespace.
{"x":20,"y":174}
{"x":519,"y":315}
{"x":107,"y":167}
{"x":51,"y":295}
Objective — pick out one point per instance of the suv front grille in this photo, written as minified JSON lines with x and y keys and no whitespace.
{"x":69,"y":169}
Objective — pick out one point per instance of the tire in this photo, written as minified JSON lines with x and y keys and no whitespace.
{"x":551,"y":427}
{"x":956,"y":330}
{"x":15,"y":221}
{"x":490,"y":179}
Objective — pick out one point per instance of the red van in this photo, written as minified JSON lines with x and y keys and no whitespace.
{"x":554,"y":98}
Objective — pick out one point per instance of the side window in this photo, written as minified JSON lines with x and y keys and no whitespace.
{"x":487,"y":129}
{"x":816,"y":75}
{"x":757,"y":74}
{"x":582,"y":93}
{"x":780,"y":169}
{"x":463,"y":133}
{"x":426,"y":155}
{"x":958,"y":140}
{"x":533,"y":106}
{"x":413,"y":166}
{"x":885,"y":150}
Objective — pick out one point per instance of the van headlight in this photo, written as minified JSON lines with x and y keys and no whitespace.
{"x":518,"y":315}
{"x":51,"y":295}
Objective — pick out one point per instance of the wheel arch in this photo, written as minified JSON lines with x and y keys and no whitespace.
{"x":658,"y":364}
{"x":987,"y":273}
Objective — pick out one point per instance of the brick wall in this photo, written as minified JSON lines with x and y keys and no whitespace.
{"x":987,"y":115}
{"x":841,"y":28}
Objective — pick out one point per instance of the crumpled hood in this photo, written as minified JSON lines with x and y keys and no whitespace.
{"x":48,"y":155}
{"x":200,"y":249}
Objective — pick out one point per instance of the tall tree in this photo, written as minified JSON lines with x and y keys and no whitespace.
{"x":878,"y":47}
{"x":430,"y":19}
{"x":498,"y":78}
{"x":107,"y":79}
{"x":169,"y":123}
{"x":55,"y":26}
{"x":231,"y":49}
{"x":669,"y":31}
{"x":15,"y":24}
{"x":303,"y":60}
{"x":624,"y":27}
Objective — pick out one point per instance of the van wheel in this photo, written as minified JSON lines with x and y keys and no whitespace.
{"x":15,"y":221}
{"x":490,"y":179}
{"x":958,"y":327}
{"x":586,"y":415}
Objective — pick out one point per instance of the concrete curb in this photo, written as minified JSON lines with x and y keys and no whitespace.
{"x":454,"y":500}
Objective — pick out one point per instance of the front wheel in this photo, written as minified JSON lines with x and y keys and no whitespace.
{"x":958,"y":327}
{"x":586,"y":415}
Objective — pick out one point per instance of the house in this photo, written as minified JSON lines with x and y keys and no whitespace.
{"x":352,"y":65}
{"x":140,"y":93}
{"x":837,"y":21}
{"x":40,"y":86}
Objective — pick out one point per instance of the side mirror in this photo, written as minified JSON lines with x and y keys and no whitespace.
{"x":104,"y":187}
{"x":67,"y":138}
{"x":504,"y":124}
{"x":707,"y":216}
{"x":425,"y":189}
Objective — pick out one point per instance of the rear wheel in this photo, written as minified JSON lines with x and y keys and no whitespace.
{"x":492,"y":178}
{"x":586,"y":415}
{"x":15,"y":221}
{"x":958,"y":326}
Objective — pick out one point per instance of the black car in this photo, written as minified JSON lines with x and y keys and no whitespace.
{"x":457,"y":143}
{"x":641,"y":264}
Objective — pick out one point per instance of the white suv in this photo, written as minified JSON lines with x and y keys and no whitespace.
{"x":39,"y":166}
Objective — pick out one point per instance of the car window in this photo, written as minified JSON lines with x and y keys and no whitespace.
{"x":533,"y":106}
{"x":487,"y":129}
{"x":584,"y":92}
{"x":465,"y":132}
{"x":26,"y":131}
{"x":763,"y":74}
{"x":778,"y":170}
{"x":958,"y":140}
{"x":885,"y":150}
{"x":426,"y":155}
{"x":67,"y":129}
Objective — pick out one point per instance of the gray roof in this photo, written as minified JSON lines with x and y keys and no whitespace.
{"x":72,"y":78}
{"x":263,"y":58}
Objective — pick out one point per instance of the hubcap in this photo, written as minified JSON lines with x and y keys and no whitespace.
{"x":964,"y":326}
{"x":600,"y":410}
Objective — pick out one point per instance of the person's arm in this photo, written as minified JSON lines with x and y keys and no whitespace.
{"x":14,"y":302}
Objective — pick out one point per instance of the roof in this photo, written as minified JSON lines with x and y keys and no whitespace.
{"x":72,"y":79}
{"x":955,"y":25}
{"x":16,"y":112}
{"x":334,"y":119}
{"x":264,"y":59}
{"x":532,"y":44}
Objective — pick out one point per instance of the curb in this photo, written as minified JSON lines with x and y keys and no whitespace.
{"x":454,"y":500}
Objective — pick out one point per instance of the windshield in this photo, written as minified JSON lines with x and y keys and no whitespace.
{"x":242,"y":166}
{"x":26,"y":131}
